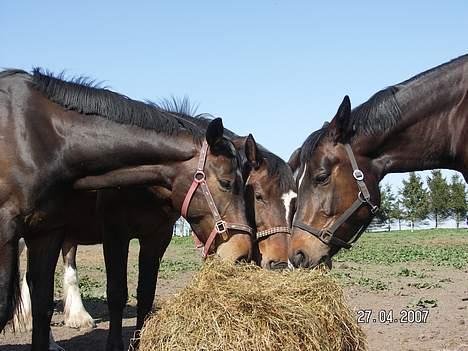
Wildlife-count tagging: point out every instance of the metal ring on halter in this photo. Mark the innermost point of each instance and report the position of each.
(199, 176)
(361, 197)
(358, 175)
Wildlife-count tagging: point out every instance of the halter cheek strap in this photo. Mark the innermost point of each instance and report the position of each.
(220, 227)
(328, 235)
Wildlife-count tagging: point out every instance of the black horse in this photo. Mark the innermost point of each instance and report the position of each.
(419, 124)
(57, 136)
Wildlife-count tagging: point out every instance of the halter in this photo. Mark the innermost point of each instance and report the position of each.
(327, 235)
(271, 231)
(221, 227)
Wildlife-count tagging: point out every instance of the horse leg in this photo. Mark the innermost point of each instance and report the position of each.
(9, 269)
(22, 320)
(116, 256)
(42, 259)
(76, 315)
(152, 249)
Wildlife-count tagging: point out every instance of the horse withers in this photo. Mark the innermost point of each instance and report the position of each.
(419, 124)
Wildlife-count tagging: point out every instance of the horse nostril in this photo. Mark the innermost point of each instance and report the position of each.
(277, 265)
(299, 259)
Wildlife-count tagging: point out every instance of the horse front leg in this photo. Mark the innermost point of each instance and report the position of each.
(43, 253)
(22, 319)
(152, 249)
(75, 313)
(115, 256)
(9, 268)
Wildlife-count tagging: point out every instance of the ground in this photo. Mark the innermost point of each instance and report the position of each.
(386, 273)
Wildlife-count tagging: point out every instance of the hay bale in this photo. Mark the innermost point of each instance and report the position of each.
(242, 307)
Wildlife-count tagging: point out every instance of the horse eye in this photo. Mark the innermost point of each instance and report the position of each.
(322, 177)
(226, 184)
(258, 196)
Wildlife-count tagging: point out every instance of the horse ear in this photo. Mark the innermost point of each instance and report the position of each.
(214, 132)
(339, 126)
(252, 152)
(295, 160)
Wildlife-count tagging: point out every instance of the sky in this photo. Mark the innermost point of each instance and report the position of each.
(276, 69)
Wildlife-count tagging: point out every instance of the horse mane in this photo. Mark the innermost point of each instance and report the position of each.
(311, 143)
(382, 111)
(88, 97)
(184, 109)
(378, 114)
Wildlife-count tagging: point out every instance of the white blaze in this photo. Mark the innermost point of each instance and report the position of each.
(287, 198)
(302, 177)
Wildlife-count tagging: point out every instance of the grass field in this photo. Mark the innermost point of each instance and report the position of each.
(396, 271)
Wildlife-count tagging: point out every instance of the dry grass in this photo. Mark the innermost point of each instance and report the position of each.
(241, 307)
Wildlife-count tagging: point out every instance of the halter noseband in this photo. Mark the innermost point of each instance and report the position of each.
(327, 235)
(220, 227)
(270, 231)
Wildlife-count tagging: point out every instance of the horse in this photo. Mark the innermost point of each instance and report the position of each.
(419, 124)
(270, 189)
(59, 136)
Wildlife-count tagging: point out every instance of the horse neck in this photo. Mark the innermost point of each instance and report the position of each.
(96, 146)
(433, 128)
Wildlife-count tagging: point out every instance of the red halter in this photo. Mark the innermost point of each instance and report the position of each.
(220, 227)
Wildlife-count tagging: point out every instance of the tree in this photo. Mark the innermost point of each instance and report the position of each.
(387, 202)
(414, 199)
(458, 194)
(439, 196)
(397, 212)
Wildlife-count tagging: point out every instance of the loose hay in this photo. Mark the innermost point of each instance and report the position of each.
(242, 307)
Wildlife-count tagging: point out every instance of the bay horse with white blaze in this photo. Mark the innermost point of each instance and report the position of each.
(58, 136)
(419, 124)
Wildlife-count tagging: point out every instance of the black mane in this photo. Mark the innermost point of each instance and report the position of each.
(85, 96)
(382, 111)
(183, 109)
(309, 145)
(378, 114)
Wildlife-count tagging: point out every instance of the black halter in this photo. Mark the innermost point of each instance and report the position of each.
(327, 235)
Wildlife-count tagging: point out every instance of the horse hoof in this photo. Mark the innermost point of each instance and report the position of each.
(80, 320)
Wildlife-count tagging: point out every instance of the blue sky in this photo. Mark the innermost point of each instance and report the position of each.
(278, 69)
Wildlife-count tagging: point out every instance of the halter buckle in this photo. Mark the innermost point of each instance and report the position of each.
(358, 175)
(374, 209)
(326, 235)
(221, 228)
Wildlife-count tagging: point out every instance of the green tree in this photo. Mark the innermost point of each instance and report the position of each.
(414, 199)
(387, 202)
(398, 212)
(458, 204)
(439, 196)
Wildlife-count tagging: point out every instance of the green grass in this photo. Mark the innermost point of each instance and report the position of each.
(442, 247)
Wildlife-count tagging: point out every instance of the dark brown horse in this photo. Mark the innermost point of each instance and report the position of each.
(57, 135)
(147, 215)
(419, 124)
